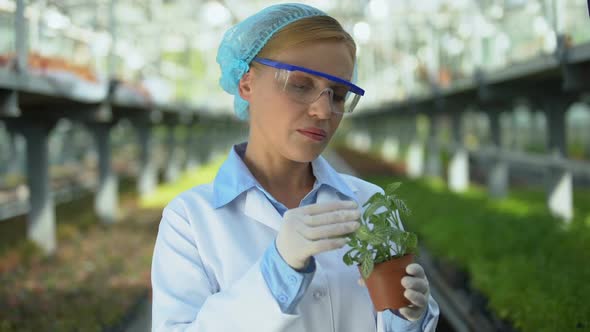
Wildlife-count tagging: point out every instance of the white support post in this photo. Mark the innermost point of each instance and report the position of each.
(9, 104)
(406, 131)
(213, 141)
(41, 217)
(559, 182)
(498, 174)
(366, 138)
(415, 156)
(458, 172)
(416, 159)
(107, 196)
(390, 148)
(17, 148)
(148, 176)
(190, 143)
(205, 144)
(560, 194)
(433, 161)
(391, 141)
(172, 171)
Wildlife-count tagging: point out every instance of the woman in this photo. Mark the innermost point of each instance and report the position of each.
(260, 248)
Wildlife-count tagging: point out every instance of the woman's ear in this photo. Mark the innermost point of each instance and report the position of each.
(245, 86)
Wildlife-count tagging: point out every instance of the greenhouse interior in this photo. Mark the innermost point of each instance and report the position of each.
(113, 111)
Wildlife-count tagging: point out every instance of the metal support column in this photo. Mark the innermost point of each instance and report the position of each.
(9, 104)
(41, 218)
(148, 176)
(415, 158)
(172, 171)
(217, 135)
(458, 172)
(107, 195)
(192, 158)
(433, 162)
(498, 174)
(559, 182)
(17, 147)
(391, 141)
(370, 136)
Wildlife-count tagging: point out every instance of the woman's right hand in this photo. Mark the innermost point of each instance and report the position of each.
(312, 229)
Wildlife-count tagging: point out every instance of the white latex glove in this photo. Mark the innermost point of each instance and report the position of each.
(312, 229)
(417, 291)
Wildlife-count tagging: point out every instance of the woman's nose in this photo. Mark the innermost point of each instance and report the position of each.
(322, 106)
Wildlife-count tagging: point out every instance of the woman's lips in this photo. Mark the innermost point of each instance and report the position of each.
(318, 137)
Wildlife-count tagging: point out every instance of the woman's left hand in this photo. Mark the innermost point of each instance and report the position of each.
(417, 291)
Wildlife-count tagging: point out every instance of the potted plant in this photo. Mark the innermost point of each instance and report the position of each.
(382, 249)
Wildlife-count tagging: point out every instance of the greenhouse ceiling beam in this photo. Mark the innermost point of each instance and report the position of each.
(530, 80)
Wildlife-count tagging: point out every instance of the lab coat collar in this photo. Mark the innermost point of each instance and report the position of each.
(259, 208)
(234, 178)
(325, 174)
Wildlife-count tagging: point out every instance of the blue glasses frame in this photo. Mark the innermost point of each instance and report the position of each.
(280, 65)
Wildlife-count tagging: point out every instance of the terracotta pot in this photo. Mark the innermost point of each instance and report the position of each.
(384, 283)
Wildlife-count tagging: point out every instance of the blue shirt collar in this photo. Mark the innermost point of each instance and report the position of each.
(234, 177)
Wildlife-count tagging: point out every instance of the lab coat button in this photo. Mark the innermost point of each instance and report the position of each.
(282, 298)
(292, 279)
(318, 294)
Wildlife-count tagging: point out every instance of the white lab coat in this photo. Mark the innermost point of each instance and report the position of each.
(206, 273)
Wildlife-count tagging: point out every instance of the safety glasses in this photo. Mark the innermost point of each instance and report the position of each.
(305, 86)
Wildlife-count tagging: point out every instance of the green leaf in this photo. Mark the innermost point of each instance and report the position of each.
(411, 243)
(378, 236)
(380, 220)
(374, 203)
(376, 197)
(380, 232)
(367, 266)
(391, 188)
(395, 234)
(363, 233)
(347, 259)
(400, 205)
(357, 257)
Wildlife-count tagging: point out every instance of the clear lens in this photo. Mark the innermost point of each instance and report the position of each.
(307, 88)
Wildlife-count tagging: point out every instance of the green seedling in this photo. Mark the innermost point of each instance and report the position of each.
(380, 236)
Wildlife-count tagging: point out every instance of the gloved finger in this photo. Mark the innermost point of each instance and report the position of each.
(319, 246)
(417, 298)
(332, 217)
(328, 231)
(417, 284)
(411, 313)
(318, 208)
(415, 270)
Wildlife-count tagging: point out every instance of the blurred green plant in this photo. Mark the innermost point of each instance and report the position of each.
(577, 150)
(166, 192)
(97, 275)
(533, 270)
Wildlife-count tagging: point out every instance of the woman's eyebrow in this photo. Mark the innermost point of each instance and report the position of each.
(339, 86)
(330, 83)
(305, 74)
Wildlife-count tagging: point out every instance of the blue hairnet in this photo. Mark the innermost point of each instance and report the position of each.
(243, 41)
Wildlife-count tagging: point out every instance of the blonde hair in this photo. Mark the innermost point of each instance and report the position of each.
(310, 29)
